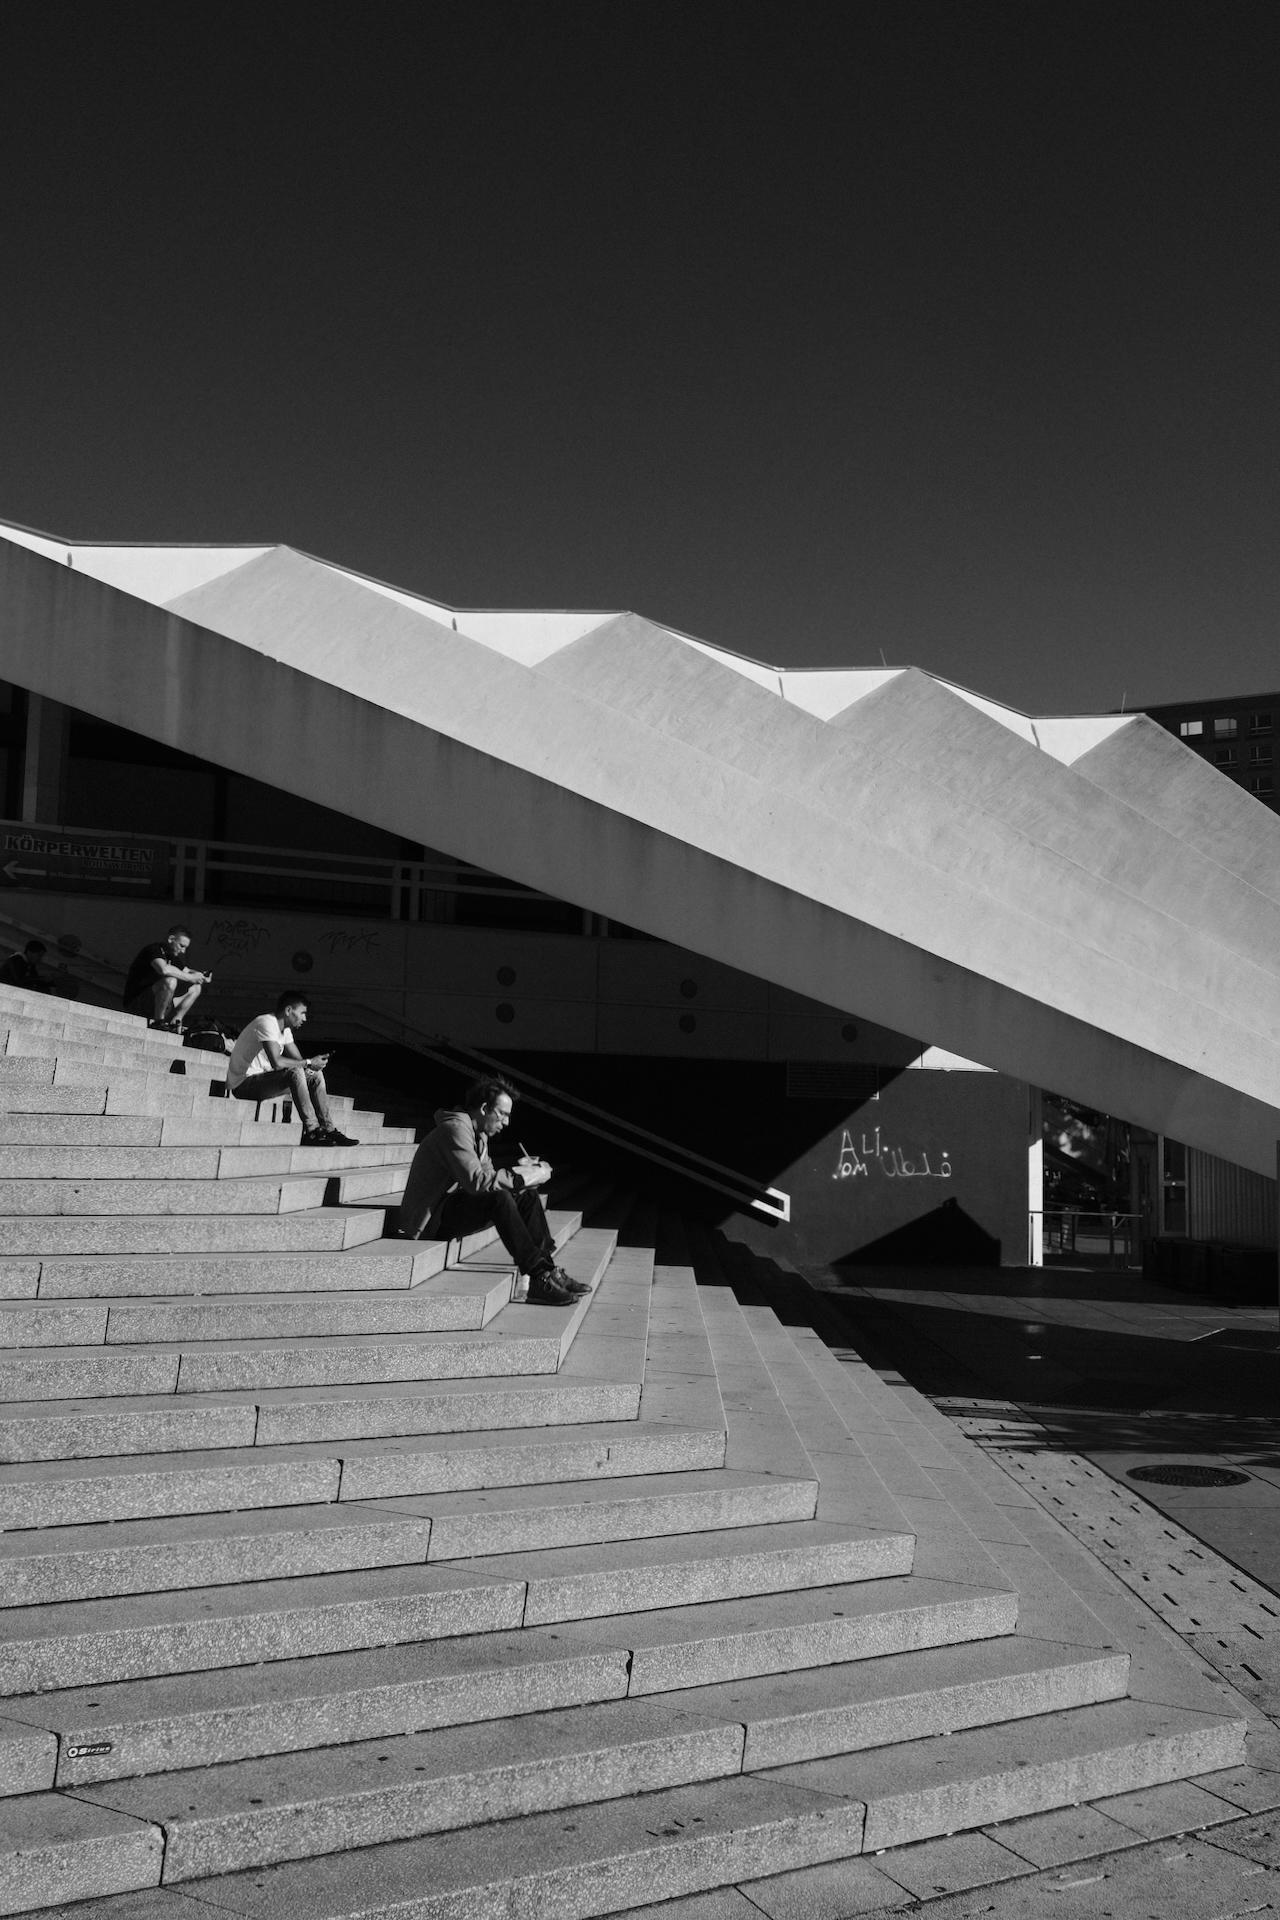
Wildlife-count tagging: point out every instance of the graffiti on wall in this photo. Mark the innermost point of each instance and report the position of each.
(235, 938)
(892, 1163)
(344, 940)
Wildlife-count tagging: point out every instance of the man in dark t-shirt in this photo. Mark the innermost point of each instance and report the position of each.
(159, 985)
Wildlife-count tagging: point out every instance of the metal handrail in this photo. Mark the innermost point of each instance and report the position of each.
(627, 1134)
(610, 1127)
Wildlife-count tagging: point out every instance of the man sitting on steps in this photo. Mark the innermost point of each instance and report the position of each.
(160, 986)
(265, 1063)
(455, 1189)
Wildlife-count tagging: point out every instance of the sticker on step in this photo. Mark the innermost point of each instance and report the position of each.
(89, 1748)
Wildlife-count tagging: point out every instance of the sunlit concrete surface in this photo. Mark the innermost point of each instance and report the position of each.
(1071, 901)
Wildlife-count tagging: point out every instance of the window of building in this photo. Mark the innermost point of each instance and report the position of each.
(1188, 729)
(1259, 756)
(1226, 728)
(1225, 756)
(1259, 783)
(1259, 723)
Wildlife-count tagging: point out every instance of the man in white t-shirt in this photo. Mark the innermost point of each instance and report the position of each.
(266, 1063)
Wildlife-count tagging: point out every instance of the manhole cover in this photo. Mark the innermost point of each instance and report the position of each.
(1189, 1476)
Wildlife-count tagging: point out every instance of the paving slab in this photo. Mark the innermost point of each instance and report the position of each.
(1160, 1813)
(1067, 1833)
(936, 1867)
(1252, 1789)
(832, 1892)
(1190, 1880)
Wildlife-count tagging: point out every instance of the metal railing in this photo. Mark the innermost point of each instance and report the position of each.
(744, 1191)
(1111, 1238)
(561, 1105)
(194, 872)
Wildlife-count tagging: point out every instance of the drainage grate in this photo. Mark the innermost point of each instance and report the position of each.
(1189, 1476)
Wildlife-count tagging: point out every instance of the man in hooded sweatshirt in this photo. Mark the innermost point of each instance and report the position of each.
(454, 1189)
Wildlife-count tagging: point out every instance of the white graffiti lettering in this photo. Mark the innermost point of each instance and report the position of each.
(891, 1162)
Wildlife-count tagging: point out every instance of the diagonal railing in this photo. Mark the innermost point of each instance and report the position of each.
(562, 1105)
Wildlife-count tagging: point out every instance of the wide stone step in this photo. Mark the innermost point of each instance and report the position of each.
(135, 1094)
(76, 1492)
(383, 1183)
(269, 1810)
(923, 1788)
(307, 1228)
(215, 1366)
(56, 1564)
(169, 1423)
(169, 1722)
(95, 1641)
(599, 1534)
(652, 1542)
(263, 1154)
(71, 1065)
(55, 1198)
(648, 1848)
(379, 1265)
(227, 1123)
(56, 1850)
(22, 1033)
(449, 1300)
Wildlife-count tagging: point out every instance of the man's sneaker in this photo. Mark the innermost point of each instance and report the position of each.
(545, 1290)
(335, 1139)
(165, 1026)
(314, 1137)
(564, 1285)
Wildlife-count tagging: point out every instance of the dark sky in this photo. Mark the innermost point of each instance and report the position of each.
(948, 332)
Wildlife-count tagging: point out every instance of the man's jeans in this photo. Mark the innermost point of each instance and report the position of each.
(298, 1082)
(519, 1218)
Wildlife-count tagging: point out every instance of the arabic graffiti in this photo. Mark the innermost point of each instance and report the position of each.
(892, 1162)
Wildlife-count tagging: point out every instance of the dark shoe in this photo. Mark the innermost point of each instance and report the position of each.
(336, 1139)
(314, 1137)
(578, 1289)
(165, 1026)
(562, 1285)
(545, 1290)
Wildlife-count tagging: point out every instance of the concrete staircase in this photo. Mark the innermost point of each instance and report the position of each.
(334, 1582)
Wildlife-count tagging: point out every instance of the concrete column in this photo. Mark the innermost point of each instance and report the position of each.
(44, 761)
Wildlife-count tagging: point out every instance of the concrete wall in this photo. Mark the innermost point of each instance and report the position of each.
(492, 988)
(935, 1169)
(913, 862)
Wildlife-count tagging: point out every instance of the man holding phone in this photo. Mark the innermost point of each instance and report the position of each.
(265, 1063)
(454, 1189)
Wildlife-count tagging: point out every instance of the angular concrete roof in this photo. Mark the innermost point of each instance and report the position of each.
(1077, 900)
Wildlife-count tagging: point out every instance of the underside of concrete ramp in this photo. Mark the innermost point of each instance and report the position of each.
(1077, 902)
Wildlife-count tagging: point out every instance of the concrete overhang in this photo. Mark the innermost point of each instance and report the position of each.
(1075, 901)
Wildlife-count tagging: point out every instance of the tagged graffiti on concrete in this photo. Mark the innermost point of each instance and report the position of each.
(231, 937)
(343, 940)
(891, 1162)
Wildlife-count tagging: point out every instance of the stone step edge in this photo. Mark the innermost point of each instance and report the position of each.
(651, 1847)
